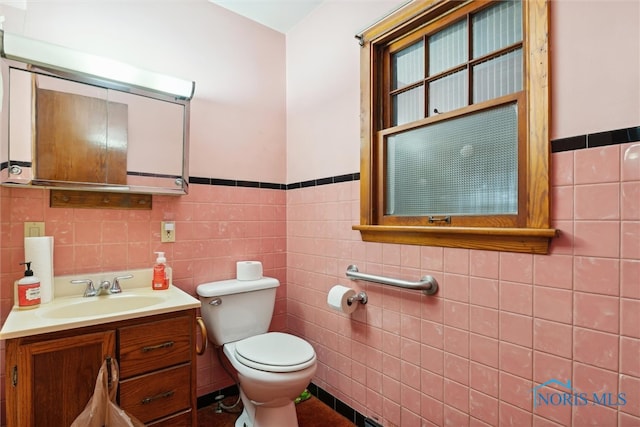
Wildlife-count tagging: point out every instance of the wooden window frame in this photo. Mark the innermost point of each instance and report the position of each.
(530, 230)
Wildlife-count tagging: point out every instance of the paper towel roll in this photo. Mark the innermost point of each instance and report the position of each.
(39, 250)
(338, 299)
(248, 270)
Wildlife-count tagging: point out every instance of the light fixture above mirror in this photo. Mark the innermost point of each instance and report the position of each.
(81, 64)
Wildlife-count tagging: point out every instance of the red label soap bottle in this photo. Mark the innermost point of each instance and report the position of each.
(28, 289)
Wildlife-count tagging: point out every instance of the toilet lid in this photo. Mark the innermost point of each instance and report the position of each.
(275, 352)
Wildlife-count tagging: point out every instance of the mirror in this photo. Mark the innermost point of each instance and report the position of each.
(68, 131)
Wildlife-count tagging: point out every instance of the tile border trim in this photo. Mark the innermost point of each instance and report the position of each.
(274, 186)
(337, 405)
(598, 139)
(236, 183)
(579, 142)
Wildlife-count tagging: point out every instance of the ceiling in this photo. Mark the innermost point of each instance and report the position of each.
(280, 15)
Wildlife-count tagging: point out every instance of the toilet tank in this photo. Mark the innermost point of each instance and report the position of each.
(236, 309)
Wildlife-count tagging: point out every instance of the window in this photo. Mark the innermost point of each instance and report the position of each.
(455, 145)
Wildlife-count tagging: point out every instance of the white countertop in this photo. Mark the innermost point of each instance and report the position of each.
(39, 320)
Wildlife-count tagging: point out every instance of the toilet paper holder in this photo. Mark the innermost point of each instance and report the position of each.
(359, 297)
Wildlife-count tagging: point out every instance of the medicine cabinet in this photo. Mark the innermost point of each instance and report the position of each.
(64, 127)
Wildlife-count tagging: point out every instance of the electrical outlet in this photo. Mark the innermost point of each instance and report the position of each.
(33, 229)
(167, 231)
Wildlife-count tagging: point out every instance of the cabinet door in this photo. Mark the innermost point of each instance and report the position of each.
(52, 380)
(80, 138)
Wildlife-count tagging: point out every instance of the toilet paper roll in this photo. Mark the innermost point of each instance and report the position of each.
(248, 270)
(39, 250)
(338, 299)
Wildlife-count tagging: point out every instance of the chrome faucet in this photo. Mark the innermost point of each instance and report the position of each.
(89, 291)
(115, 286)
(111, 288)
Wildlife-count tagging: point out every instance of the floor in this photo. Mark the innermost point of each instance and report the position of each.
(311, 413)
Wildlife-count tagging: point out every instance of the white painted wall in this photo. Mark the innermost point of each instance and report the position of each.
(323, 88)
(595, 66)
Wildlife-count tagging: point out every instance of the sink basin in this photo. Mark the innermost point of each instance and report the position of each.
(70, 310)
(101, 305)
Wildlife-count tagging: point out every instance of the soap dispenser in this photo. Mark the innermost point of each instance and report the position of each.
(160, 277)
(28, 289)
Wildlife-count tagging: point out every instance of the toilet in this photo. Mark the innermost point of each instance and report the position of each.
(273, 368)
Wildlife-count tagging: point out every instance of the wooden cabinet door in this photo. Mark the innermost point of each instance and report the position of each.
(80, 139)
(49, 382)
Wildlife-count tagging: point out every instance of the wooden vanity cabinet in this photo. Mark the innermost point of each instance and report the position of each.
(50, 377)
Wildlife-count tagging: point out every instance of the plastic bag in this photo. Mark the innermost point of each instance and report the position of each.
(101, 411)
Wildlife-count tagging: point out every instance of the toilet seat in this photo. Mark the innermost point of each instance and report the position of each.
(275, 352)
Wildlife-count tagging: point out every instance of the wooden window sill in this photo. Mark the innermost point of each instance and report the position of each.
(525, 240)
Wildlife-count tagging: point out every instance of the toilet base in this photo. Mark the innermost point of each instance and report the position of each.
(266, 416)
(243, 420)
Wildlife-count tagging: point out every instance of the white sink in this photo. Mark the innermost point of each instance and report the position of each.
(100, 305)
(75, 311)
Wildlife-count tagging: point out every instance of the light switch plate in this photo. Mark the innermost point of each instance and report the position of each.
(167, 231)
(33, 229)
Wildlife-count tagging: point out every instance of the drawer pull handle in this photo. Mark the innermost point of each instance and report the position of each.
(164, 395)
(156, 347)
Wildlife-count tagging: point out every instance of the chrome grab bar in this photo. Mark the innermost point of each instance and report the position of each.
(427, 284)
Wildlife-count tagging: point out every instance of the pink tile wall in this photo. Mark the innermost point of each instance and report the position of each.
(501, 324)
(215, 227)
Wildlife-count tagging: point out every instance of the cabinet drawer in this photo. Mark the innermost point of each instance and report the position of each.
(156, 395)
(184, 419)
(154, 345)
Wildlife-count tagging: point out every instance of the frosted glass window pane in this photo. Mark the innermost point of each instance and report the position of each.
(448, 48)
(407, 65)
(463, 166)
(408, 106)
(448, 93)
(496, 27)
(497, 77)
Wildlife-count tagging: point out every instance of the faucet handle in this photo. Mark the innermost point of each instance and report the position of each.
(89, 291)
(115, 285)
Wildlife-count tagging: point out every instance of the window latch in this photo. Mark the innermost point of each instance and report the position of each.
(445, 219)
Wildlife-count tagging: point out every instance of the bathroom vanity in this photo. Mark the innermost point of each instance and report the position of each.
(53, 359)
(50, 377)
